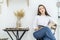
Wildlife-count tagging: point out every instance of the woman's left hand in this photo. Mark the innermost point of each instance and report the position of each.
(52, 25)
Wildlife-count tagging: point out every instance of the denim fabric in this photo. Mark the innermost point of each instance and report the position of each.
(44, 33)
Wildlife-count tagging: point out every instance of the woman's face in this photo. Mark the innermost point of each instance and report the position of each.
(42, 10)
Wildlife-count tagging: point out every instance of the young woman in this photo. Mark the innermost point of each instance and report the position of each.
(42, 25)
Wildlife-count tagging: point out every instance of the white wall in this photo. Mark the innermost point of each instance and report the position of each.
(59, 21)
(7, 18)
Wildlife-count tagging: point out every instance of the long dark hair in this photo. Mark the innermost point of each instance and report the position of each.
(39, 13)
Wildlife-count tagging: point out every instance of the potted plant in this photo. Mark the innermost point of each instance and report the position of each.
(19, 14)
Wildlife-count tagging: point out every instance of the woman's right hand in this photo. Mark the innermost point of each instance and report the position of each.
(36, 28)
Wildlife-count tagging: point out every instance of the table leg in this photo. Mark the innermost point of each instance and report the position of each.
(17, 38)
(9, 35)
(14, 34)
(22, 35)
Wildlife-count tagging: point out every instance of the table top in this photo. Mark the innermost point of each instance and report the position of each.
(16, 29)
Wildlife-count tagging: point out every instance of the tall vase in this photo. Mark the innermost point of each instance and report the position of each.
(18, 23)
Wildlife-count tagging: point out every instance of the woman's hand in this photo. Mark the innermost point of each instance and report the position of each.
(36, 28)
(52, 25)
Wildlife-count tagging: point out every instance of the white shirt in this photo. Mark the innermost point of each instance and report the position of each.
(42, 20)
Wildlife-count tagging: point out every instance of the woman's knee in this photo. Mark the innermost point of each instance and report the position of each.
(35, 35)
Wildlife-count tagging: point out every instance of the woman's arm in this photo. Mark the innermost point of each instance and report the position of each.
(53, 25)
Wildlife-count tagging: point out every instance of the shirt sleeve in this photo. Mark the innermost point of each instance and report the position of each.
(35, 22)
(52, 20)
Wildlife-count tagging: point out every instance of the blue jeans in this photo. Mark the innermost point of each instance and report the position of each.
(44, 33)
